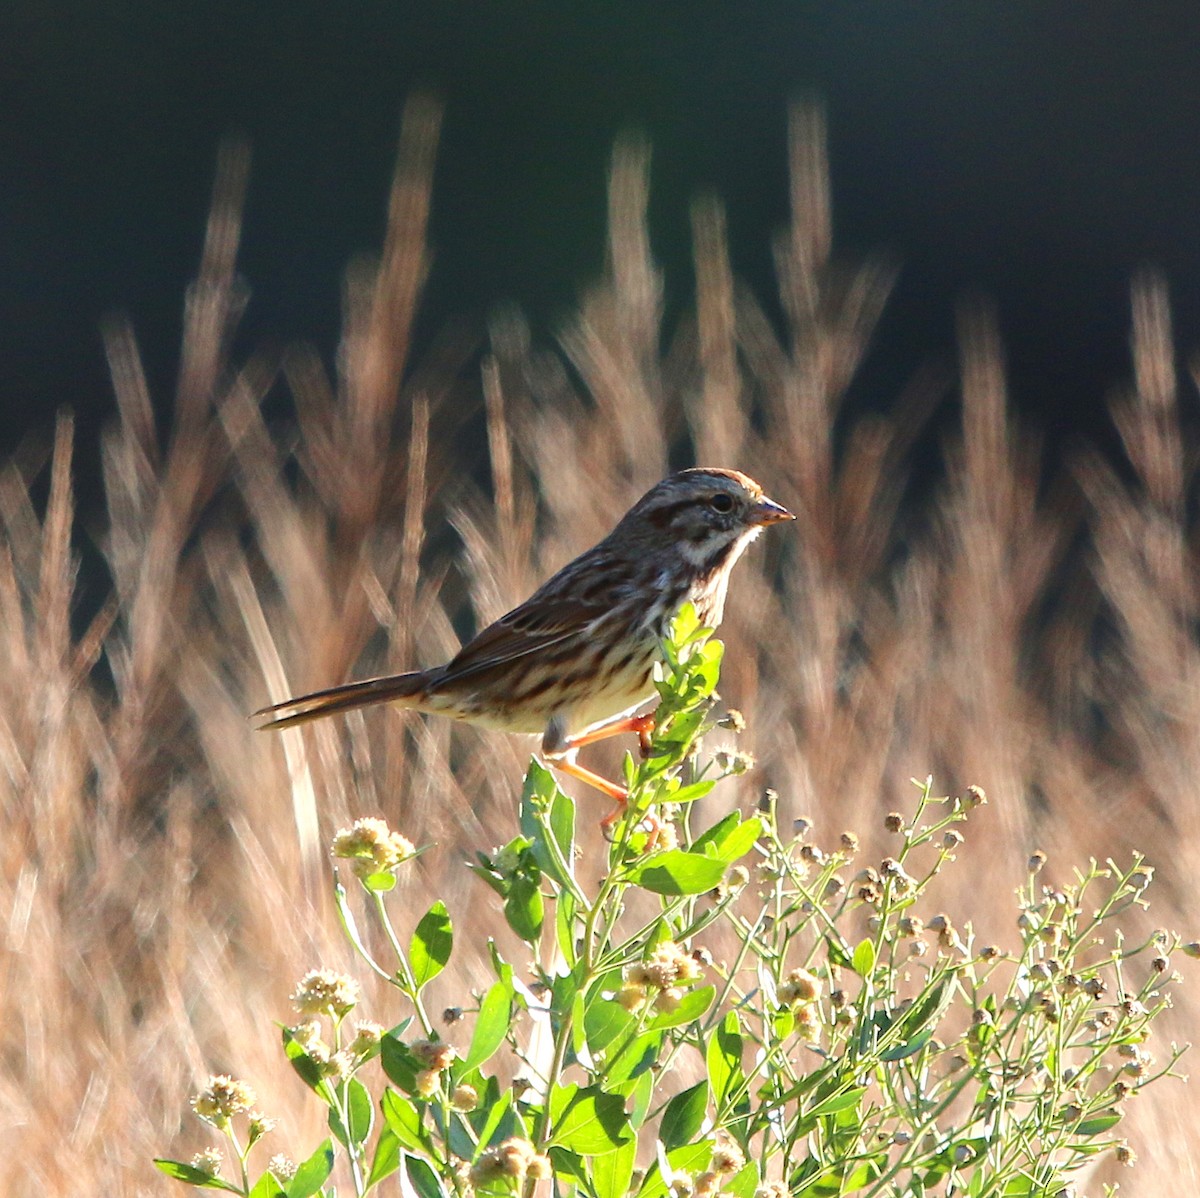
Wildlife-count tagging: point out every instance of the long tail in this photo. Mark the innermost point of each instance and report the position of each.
(340, 698)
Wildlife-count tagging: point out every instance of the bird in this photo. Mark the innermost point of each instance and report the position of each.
(575, 661)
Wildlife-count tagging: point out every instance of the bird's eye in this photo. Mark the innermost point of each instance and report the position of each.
(721, 502)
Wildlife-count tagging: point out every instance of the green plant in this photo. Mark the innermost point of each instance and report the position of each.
(850, 1041)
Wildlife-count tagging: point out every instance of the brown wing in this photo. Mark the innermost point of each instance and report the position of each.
(565, 606)
(527, 630)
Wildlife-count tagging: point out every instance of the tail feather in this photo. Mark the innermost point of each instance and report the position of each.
(340, 698)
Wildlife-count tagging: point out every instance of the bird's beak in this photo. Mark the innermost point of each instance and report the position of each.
(767, 511)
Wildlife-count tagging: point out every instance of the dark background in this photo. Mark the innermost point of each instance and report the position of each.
(1036, 152)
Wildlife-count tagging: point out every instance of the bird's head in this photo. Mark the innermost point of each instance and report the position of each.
(710, 515)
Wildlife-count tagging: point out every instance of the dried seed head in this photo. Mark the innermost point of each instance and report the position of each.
(849, 842)
(1036, 862)
(372, 846)
(452, 1015)
(222, 1098)
(326, 992)
(367, 1037)
(893, 821)
(282, 1166)
(208, 1162)
(464, 1097)
(799, 987)
(433, 1054)
(1125, 1155)
(732, 721)
(802, 826)
(951, 839)
(727, 1158)
(975, 796)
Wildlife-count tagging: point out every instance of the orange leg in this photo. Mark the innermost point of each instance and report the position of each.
(643, 725)
(563, 759)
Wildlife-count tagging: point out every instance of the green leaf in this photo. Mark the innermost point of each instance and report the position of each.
(431, 944)
(837, 954)
(424, 1180)
(380, 883)
(613, 1171)
(303, 1064)
(564, 927)
(398, 1063)
(193, 1176)
(349, 926)
(361, 1110)
(524, 908)
(739, 841)
(495, 1117)
(588, 1121)
(689, 794)
(908, 1048)
(603, 1021)
(724, 1059)
(1098, 1124)
(404, 1121)
(863, 961)
(691, 1006)
(744, 1182)
(267, 1186)
(689, 1158)
(684, 1116)
(836, 1103)
(677, 872)
(635, 1057)
(312, 1173)
(387, 1156)
(639, 1098)
(491, 1024)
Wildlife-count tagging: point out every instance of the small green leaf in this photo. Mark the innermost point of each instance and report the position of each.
(424, 1180)
(613, 1171)
(744, 1182)
(491, 1025)
(487, 1133)
(836, 1103)
(689, 794)
(404, 1121)
(588, 1121)
(635, 1058)
(387, 1156)
(380, 883)
(1098, 1124)
(349, 926)
(193, 1176)
(267, 1186)
(717, 833)
(908, 1049)
(684, 1116)
(677, 872)
(312, 1173)
(303, 1064)
(691, 1006)
(398, 1063)
(863, 961)
(604, 1021)
(739, 840)
(431, 944)
(361, 1110)
(688, 1158)
(524, 908)
(724, 1059)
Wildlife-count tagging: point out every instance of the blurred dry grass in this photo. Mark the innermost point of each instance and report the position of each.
(162, 868)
